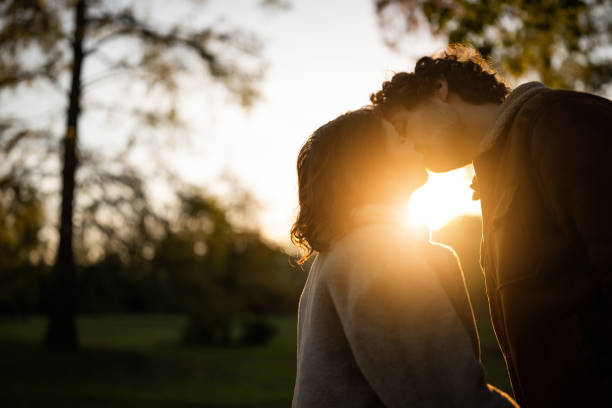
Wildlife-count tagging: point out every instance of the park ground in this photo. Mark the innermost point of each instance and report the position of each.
(138, 361)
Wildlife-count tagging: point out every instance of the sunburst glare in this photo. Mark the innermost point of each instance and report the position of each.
(445, 196)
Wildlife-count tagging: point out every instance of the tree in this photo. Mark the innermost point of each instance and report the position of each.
(567, 43)
(50, 43)
(225, 277)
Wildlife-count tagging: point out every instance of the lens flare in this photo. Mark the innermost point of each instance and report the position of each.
(445, 196)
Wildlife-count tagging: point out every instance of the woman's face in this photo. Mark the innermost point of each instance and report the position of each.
(406, 164)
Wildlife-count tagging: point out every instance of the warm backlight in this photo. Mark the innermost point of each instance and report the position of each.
(445, 196)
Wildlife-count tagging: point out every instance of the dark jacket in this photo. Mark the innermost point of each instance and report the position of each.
(546, 194)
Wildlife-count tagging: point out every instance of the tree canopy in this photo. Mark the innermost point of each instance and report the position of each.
(566, 43)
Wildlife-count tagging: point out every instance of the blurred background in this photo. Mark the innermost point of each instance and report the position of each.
(147, 178)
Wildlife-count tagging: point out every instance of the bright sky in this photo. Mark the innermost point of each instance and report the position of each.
(324, 58)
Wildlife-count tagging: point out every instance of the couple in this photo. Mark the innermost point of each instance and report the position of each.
(384, 318)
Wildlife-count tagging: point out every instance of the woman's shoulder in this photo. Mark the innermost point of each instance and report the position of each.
(376, 248)
(379, 239)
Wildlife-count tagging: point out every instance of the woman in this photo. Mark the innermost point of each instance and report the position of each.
(384, 317)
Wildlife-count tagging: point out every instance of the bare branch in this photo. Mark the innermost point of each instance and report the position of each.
(200, 43)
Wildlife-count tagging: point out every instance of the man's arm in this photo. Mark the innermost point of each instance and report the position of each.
(572, 150)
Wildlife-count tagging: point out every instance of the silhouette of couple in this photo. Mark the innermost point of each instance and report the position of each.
(384, 318)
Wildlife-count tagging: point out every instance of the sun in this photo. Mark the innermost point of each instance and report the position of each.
(445, 196)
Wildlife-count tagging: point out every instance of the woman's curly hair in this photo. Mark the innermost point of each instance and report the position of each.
(340, 168)
(467, 73)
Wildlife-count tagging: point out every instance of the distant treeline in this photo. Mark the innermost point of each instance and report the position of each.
(110, 286)
(225, 278)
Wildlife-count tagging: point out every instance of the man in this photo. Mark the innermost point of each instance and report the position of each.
(543, 162)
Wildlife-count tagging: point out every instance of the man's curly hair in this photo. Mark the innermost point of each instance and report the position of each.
(467, 73)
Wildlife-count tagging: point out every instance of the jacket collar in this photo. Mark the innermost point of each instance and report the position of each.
(508, 110)
(488, 179)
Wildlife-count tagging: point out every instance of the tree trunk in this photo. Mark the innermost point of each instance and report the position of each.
(61, 329)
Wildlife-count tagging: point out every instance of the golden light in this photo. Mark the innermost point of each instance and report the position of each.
(445, 196)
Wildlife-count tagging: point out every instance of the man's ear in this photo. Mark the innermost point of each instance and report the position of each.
(442, 89)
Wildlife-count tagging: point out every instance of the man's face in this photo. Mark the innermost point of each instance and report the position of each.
(408, 169)
(436, 131)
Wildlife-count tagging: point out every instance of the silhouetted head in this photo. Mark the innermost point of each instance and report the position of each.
(355, 160)
(426, 105)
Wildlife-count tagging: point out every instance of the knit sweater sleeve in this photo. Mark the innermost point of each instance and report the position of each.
(405, 336)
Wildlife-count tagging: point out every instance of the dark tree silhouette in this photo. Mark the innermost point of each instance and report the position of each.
(47, 42)
(567, 43)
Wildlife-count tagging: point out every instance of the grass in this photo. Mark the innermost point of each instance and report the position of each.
(137, 361)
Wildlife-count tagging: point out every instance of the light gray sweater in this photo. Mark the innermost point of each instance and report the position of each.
(376, 329)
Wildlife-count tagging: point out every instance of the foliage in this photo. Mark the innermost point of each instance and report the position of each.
(222, 273)
(40, 31)
(567, 43)
(21, 219)
(112, 285)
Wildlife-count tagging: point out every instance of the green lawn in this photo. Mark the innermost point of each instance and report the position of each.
(136, 361)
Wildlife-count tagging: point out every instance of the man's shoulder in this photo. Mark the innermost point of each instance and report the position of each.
(573, 115)
(559, 104)
(571, 97)
(570, 133)
(554, 115)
